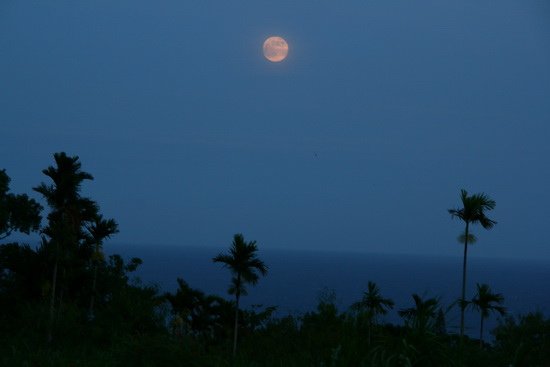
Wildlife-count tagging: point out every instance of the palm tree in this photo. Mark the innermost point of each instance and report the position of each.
(100, 229)
(423, 315)
(188, 305)
(423, 342)
(244, 266)
(472, 212)
(69, 210)
(374, 304)
(485, 301)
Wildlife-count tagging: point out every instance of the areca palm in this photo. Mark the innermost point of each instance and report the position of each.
(374, 304)
(422, 315)
(485, 301)
(100, 229)
(245, 268)
(188, 306)
(68, 211)
(472, 212)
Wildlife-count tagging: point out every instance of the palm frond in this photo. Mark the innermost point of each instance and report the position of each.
(243, 263)
(462, 238)
(485, 301)
(473, 209)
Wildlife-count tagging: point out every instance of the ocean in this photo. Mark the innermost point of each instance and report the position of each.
(297, 278)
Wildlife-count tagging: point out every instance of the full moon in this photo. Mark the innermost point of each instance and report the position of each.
(275, 49)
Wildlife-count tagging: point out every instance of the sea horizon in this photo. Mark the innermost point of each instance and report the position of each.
(297, 278)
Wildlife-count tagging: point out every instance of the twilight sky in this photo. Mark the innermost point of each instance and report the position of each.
(360, 140)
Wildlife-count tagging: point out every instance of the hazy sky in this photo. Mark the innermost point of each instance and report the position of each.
(360, 140)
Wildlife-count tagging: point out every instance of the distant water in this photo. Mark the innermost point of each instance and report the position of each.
(296, 278)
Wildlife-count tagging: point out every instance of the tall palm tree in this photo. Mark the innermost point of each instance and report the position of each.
(244, 266)
(485, 301)
(374, 304)
(472, 212)
(68, 211)
(100, 229)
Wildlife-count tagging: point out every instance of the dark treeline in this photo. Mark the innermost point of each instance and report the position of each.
(64, 303)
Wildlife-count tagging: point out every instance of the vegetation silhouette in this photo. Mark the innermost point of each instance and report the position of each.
(69, 211)
(99, 230)
(524, 340)
(96, 312)
(244, 265)
(371, 305)
(472, 212)
(422, 316)
(18, 213)
(206, 317)
(485, 301)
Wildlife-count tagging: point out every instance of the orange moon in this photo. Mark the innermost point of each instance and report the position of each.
(275, 49)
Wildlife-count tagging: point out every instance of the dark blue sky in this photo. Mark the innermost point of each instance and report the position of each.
(360, 140)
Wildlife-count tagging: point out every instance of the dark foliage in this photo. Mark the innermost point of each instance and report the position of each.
(18, 213)
(99, 315)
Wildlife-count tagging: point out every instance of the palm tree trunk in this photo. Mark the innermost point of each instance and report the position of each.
(481, 332)
(63, 285)
(91, 310)
(236, 330)
(463, 297)
(369, 332)
(52, 302)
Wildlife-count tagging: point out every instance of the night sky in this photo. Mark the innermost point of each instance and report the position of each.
(359, 141)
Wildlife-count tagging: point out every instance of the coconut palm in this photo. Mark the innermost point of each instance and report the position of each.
(485, 301)
(373, 304)
(100, 229)
(472, 212)
(244, 267)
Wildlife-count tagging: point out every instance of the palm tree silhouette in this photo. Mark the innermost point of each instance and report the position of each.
(244, 266)
(373, 304)
(100, 229)
(422, 316)
(69, 211)
(472, 212)
(485, 301)
(189, 306)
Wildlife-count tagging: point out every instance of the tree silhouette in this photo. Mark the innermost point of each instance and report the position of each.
(422, 316)
(423, 337)
(373, 304)
(197, 314)
(17, 212)
(244, 266)
(485, 301)
(68, 213)
(99, 229)
(472, 212)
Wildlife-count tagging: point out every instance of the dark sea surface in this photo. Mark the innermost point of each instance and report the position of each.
(296, 278)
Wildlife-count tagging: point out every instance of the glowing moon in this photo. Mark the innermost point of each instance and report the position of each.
(275, 49)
